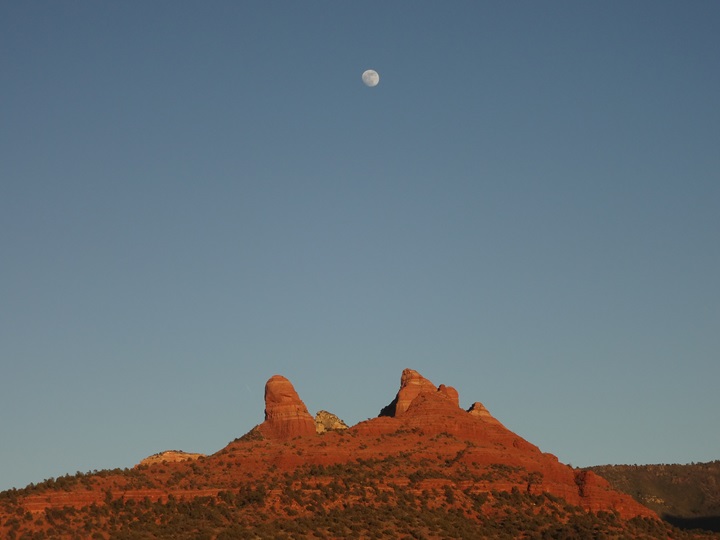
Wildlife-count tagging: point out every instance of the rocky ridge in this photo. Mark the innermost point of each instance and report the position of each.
(421, 443)
(432, 411)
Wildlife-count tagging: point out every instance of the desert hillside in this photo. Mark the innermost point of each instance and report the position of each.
(685, 495)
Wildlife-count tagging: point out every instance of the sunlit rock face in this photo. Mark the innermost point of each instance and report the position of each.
(412, 384)
(286, 416)
(478, 410)
(170, 456)
(325, 421)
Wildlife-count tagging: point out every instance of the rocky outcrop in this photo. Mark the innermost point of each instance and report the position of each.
(449, 393)
(421, 408)
(286, 416)
(479, 411)
(169, 456)
(412, 384)
(325, 421)
(596, 493)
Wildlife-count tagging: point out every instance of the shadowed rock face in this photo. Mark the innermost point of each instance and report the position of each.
(286, 416)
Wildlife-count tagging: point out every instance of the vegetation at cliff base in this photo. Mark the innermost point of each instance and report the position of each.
(687, 496)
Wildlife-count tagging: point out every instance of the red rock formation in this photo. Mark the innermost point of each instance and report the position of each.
(286, 416)
(428, 411)
(423, 428)
(597, 494)
(450, 393)
(412, 384)
(478, 410)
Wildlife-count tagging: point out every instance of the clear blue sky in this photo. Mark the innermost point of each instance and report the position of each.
(195, 196)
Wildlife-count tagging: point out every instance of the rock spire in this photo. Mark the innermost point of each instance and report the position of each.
(412, 384)
(286, 416)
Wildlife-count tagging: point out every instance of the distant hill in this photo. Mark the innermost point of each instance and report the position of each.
(685, 495)
(424, 468)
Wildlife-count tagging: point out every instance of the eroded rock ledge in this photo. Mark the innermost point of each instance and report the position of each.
(170, 456)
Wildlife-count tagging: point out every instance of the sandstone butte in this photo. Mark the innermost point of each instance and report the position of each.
(424, 425)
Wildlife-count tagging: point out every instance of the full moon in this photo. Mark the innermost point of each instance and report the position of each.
(371, 77)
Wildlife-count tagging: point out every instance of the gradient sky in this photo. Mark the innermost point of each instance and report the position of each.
(195, 196)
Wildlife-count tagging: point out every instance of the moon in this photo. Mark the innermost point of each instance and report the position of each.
(370, 77)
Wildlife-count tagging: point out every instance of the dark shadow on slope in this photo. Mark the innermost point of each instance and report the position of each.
(389, 410)
(707, 523)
